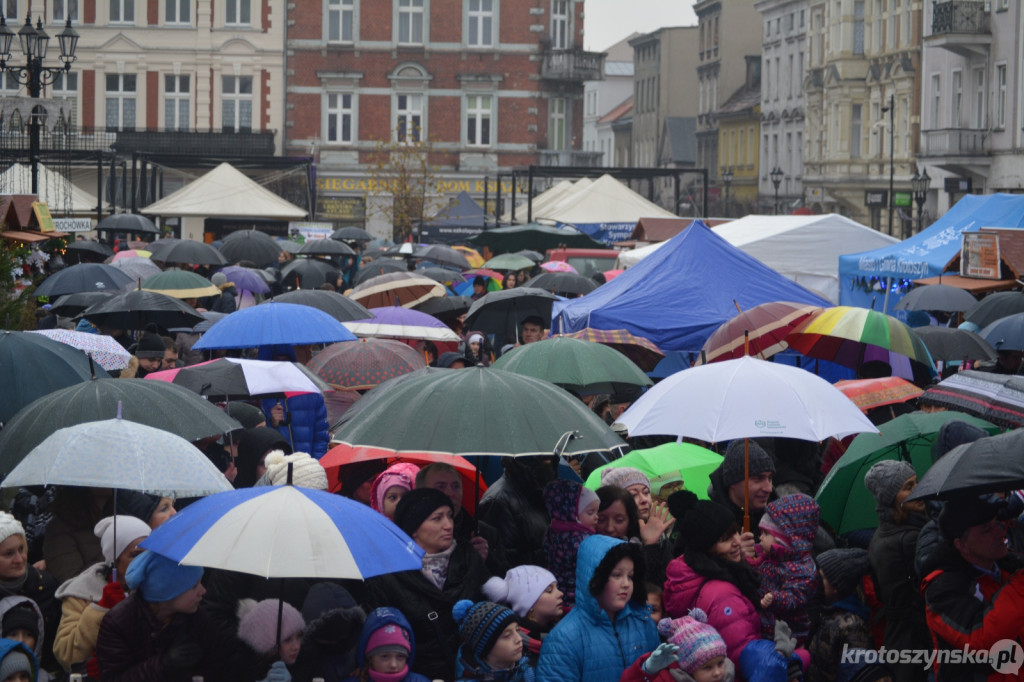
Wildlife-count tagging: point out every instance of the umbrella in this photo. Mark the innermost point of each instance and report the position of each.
(558, 266)
(476, 411)
(998, 398)
(157, 248)
(397, 288)
(760, 331)
(33, 366)
(949, 344)
(501, 312)
(533, 236)
(209, 319)
(130, 253)
(117, 453)
(180, 284)
(338, 306)
(381, 266)
(103, 349)
(444, 255)
(373, 394)
(325, 247)
(988, 465)
(563, 283)
(871, 393)
(128, 222)
(352, 233)
(87, 247)
(582, 367)
(1006, 333)
(272, 324)
(236, 378)
(509, 261)
(83, 277)
(153, 403)
(135, 309)
(693, 463)
(288, 246)
(642, 352)
(472, 255)
(70, 305)
(308, 273)
(246, 278)
(995, 306)
(852, 336)
(845, 503)
(402, 323)
(744, 398)
(365, 363)
(286, 532)
(138, 269)
(534, 256)
(252, 246)
(446, 308)
(190, 252)
(941, 297)
(448, 278)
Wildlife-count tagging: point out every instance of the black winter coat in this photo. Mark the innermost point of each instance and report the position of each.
(519, 518)
(40, 587)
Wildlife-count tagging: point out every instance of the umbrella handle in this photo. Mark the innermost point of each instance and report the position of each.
(746, 485)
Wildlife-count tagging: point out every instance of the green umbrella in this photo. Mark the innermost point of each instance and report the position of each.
(669, 462)
(583, 367)
(476, 411)
(846, 504)
(180, 284)
(509, 261)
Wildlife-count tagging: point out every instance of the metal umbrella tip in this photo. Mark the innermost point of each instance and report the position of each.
(118, 409)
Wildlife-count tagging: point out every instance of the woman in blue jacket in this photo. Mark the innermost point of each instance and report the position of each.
(611, 625)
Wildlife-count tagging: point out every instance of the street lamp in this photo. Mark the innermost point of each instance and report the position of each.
(891, 110)
(727, 181)
(776, 176)
(920, 184)
(34, 42)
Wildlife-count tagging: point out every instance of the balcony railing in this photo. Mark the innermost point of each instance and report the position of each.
(960, 16)
(954, 142)
(152, 141)
(572, 65)
(570, 158)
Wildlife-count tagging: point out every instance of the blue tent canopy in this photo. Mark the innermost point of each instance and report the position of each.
(680, 294)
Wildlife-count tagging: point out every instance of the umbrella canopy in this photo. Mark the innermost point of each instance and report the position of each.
(760, 331)
(325, 247)
(501, 312)
(941, 297)
(845, 503)
(135, 309)
(33, 366)
(472, 255)
(273, 324)
(693, 463)
(88, 247)
(236, 378)
(534, 256)
(138, 269)
(642, 352)
(103, 349)
(852, 336)
(988, 465)
(83, 277)
(353, 233)
(286, 532)
(308, 273)
(250, 245)
(476, 411)
(406, 289)
(402, 323)
(559, 266)
(180, 284)
(246, 279)
(381, 266)
(153, 403)
(563, 283)
(191, 252)
(209, 319)
(449, 278)
(509, 261)
(157, 248)
(1006, 333)
(949, 344)
(444, 255)
(995, 306)
(130, 253)
(998, 398)
(744, 398)
(871, 393)
(446, 308)
(338, 306)
(533, 236)
(365, 363)
(70, 305)
(128, 222)
(117, 453)
(579, 366)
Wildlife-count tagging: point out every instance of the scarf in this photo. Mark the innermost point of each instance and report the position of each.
(435, 566)
(12, 587)
(388, 677)
(739, 573)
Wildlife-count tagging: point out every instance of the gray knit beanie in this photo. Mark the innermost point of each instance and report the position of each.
(16, 661)
(732, 465)
(884, 480)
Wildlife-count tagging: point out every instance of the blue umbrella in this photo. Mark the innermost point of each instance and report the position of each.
(1006, 333)
(272, 324)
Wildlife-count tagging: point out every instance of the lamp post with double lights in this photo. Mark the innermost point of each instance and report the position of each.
(33, 75)
(727, 181)
(920, 184)
(776, 176)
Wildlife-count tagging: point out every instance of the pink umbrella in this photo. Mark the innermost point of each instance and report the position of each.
(128, 253)
(558, 266)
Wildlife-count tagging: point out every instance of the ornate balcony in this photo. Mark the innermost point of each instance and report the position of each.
(962, 27)
(572, 65)
(550, 157)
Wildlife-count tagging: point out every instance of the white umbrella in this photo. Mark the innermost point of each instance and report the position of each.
(107, 352)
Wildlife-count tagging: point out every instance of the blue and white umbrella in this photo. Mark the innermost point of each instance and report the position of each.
(286, 532)
(274, 324)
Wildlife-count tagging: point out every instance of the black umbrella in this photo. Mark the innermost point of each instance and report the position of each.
(949, 344)
(995, 306)
(83, 277)
(535, 256)
(448, 278)
(353, 233)
(533, 236)
(70, 305)
(250, 245)
(229, 380)
(136, 309)
(563, 283)
(381, 266)
(157, 248)
(501, 312)
(32, 366)
(210, 319)
(988, 465)
(308, 273)
(340, 307)
(158, 404)
(444, 255)
(128, 222)
(86, 248)
(941, 297)
(325, 247)
(445, 308)
(190, 252)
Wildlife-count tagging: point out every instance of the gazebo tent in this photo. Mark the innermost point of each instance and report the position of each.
(54, 189)
(548, 197)
(456, 222)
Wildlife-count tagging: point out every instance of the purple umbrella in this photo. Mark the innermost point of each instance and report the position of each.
(244, 278)
(402, 323)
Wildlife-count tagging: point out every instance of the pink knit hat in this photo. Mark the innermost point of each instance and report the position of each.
(401, 475)
(257, 623)
(698, 642)
(389, 637)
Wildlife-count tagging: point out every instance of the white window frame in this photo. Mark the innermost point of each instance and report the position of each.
(236, 7)
(936, 112)
(336, 11)
(477, 19)
(1000, 84)
(956, 97)
(410, 10)
(339, 112)
(11, 12)
(558, 114)
(120, 98)
(176, 98)
(407, 130)
(239, 99)
(64, 10)
(561, 24)
(480, 108)
(122, 8)
(979, 98)
(175, 8)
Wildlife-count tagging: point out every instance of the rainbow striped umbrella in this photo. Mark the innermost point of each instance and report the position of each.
(851, 336)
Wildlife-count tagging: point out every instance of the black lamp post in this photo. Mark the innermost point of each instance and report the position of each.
(34, 42)
(727, 181)
(776, 176)
(891, 110)
(920, 184)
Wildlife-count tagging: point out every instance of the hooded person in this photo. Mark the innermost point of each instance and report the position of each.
(389, 487)
(727, 482)
(514, 506)
(225, 301)
(22, 621)
(333, 625)
(845, 620)
(492, 647)
(573, 512)
(387, 649)
(357, 479)
(253, 447)
(16, 659)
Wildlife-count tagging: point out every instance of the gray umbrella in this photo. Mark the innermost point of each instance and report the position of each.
(128, 222)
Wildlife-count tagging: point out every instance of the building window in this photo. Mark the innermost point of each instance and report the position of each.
(936, 99)
(411, 20)
(177, 12)
(236, 104)
(237, 13)
(409, 126)
(958, 97)
(64, 10)
(122, 11)
(1001, 96)
(556, 124)
(341, 16)
(339, 117)
(120, 102)
(66, 85)
(858, 27)
(478, 120)
(10, 11)
(176, 102)
(855, 131)
(481, 23)
(979, 99)
(560, 24)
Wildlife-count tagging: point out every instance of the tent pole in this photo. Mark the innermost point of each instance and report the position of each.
(885, 301)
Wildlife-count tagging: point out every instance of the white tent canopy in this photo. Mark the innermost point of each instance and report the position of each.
(59, 193)
(548, 197)
(225, 192)
(606, 200)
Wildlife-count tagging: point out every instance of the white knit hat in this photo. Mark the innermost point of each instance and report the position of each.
(521, 587)
(129, 528)
(306, 471)
(9, 526)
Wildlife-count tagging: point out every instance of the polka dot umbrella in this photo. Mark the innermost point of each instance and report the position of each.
(363, 364)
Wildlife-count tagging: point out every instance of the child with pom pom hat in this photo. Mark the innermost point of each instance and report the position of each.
(532, 592)
(492, 647)
(386, 649)
(257, 627)
(694, 652)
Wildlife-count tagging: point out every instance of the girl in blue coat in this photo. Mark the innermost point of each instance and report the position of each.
(610, 626)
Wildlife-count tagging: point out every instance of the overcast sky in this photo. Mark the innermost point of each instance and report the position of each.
(608, 21)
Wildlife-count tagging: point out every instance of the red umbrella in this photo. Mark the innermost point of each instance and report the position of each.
(763, 328)
(360, 365)
(869, 393)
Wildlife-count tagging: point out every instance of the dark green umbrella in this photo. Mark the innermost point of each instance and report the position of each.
(477, 411)
(154, 403)
(583, 367)
(533, 236)
(32, 366)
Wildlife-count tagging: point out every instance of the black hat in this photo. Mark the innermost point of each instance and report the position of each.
(354, 475)
(952, 434)
(21, 617)
(139, 505)
(416, 505)
(150, 346)
(249, 416)
(844, 568)
(704, 521)
(963, 513)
